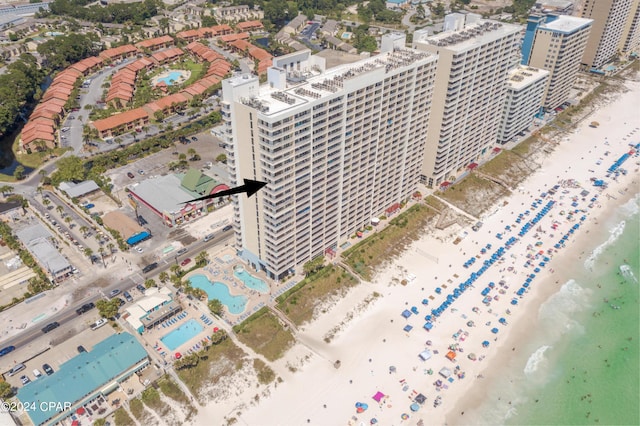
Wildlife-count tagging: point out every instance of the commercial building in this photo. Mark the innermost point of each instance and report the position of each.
(556, 44)
(166, 196)
(84, 379)
(336, 147)
(609, 22)
(156, 306)
(40, 243)
(474, 59)
(525, 89)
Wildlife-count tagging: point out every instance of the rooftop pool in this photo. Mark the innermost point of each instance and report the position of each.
(182, 334)
(249, 280)
(220, 291)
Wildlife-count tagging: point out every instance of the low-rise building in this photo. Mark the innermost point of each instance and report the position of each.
(156, 43)
(156, 306)
(83, 380)
(121, 123)
(40, 243)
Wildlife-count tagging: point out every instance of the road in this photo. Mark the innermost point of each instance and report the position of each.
(69, 314)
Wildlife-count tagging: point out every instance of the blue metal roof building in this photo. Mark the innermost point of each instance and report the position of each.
(83, 378)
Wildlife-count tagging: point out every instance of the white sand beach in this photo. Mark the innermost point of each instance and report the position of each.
(373, 341)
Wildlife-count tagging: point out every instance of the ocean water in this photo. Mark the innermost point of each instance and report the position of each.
(581, 362)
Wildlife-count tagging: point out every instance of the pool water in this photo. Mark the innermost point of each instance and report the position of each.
(172, 78)
(249, 280)
(182, 334)
(216, 290)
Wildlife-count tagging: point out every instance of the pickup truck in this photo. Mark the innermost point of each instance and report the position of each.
(96, 325)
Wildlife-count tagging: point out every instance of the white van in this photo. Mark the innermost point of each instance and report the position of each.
(37, 373)
(16, 369)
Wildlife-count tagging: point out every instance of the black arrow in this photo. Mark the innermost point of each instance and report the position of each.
(250, 187)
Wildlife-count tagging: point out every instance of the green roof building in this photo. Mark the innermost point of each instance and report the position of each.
(83, 378)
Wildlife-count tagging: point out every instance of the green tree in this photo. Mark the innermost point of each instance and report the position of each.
(19, 172)
(313, 266)
(108, 308)
(218, 337)
(187, 362)
(216, 307)
(70, 168)
(150, 282)
(202, 258)
(163, 277)
(6, 391)
(6, 189)
(222, 158)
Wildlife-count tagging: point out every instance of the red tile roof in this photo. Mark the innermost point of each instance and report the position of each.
(117, 120)
(172, 53)
(165, 103)
(249, 25)
(117, 52)
(233, 37)
(153, 42)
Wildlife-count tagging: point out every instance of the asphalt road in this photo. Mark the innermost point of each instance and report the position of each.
(69, 314)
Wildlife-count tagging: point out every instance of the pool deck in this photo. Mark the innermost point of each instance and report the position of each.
(184, 76)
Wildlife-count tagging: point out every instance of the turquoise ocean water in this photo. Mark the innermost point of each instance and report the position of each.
(581, 362)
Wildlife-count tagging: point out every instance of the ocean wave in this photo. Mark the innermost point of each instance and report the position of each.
(536, 360)
(627, 272)
(558, 312)
(614, 235)
(631, 207)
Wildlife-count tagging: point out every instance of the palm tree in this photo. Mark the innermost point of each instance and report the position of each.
(202, 258)
(46, 202)
(88, 252)
(163, 277)
(174, 269)
(83, 230)
(68, 219)
(150, 283)
(111, 246)
(6, 189)
(60, 209)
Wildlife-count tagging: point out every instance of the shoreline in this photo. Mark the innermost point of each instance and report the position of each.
(373, 341)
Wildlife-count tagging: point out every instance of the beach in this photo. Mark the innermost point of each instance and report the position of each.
(526, 253)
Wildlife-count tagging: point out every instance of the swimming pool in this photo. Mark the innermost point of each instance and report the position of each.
(249, 280)
(216, 290)
(182, 334)
(171, 78)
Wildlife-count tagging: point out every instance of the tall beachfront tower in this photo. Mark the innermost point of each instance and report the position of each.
(609, 22)
(630, 40)
(525, 88)
(336, 147)
(556, 44)
(474, 60)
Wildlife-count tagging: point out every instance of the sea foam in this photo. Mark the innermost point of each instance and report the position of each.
(614, 234)
(536, 360)
(627, 272)
(558, 312)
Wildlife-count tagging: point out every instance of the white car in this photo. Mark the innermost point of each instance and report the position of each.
(139, 249)
(98, 324)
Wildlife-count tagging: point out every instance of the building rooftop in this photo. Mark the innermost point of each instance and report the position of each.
(164, 193)
(82, 375)
(74, 190)
(471, 36)
(566, 24)
(523, 76)
(310, 84)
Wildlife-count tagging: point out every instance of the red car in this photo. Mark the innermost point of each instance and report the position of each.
(185, 262)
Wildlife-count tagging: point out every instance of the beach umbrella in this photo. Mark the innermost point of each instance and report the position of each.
(502, 321)
(425, 302)
(373, 421)
(428, 326)
(414, 407)
(404, 416)
(470, 323)
(472, 356)
(485, 344)
(514, 302)
(494, 330)
(428, 318)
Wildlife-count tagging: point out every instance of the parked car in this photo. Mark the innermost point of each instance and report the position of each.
(131, 175)
(121, 301)
(51, 326)
(185, 262)
(127, 296)
(113, 293)
(139, 250)
(141, 172)
(81, 349)
(37, 373)
(47, 369)
(140, 288)
(16, 369)
(7, 350)
(208, 238)
(85, 308)
(227, 228)
(96, 325)
(150, 267)
(24, 379)
(182, 251)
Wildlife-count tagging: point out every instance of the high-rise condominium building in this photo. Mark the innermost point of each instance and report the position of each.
(630, 40)
(474, 60)
(556, 44)
(525, 88)
(336, 148)
(609, 22)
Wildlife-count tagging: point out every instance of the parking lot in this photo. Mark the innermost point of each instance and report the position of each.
(62, 345)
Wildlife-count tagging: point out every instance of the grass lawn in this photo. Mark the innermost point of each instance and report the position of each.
(121, 417)
(195, 68)
(263, 333)
(435, 203)
(508, 167)
(173, 391)
(474, 194)
(368, 255)
(525, 147)
(216, 361)
(265, 374)
(137, 409)
(300, 302)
